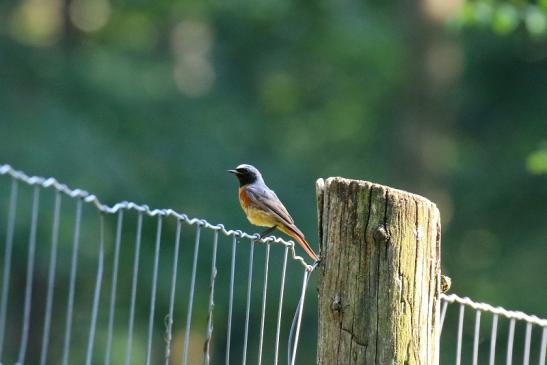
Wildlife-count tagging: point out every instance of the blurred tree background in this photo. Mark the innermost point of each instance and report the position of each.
(153, 101)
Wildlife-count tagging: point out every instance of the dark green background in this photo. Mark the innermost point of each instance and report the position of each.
(385, 92)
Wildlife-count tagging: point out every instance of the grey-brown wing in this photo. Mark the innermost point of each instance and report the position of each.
(268, 200)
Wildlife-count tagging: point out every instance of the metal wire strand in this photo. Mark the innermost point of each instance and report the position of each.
(72, 282)
(30, 275)
(133, 290)
(96, 294)
(299, 317)
(209, 334)
(280, 307)
(169, 319)
(154, 292)
(191, 298)
(51, 278)
(113, 287)
(510, 339)
(543, 347)
(476, 337)
(264, 294)
(493, 335)
(12, 212)
(453, 298)
(527, 340)
(231, 300)
(460, 333)
(248, 305)
(443, 314)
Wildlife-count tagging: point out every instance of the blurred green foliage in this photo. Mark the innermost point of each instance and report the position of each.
(153, 101)
(505, 16)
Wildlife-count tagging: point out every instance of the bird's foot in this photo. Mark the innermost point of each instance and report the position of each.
(266, 233)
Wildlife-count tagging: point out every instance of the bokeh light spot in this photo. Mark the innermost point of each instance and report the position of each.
(90, 15)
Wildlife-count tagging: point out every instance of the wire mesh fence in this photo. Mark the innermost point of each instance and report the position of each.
(85, 283)
(478, 333)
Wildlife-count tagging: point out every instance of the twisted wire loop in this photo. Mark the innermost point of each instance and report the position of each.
(127, 205)
(169, 318)
(209, 334)
(154, 292)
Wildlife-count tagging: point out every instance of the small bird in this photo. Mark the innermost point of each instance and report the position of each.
(263, 208)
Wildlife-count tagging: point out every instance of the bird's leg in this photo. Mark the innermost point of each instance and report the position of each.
(267, 232)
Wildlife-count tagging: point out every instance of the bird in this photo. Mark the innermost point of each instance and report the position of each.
(263, 208)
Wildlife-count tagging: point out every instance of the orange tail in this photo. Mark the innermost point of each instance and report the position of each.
(295, 233)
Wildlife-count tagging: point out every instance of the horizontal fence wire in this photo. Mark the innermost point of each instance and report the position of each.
(493, 334)
(127, 205)
(84, 282)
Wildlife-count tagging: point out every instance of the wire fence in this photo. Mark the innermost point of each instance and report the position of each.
(490, 335)
(86, 283)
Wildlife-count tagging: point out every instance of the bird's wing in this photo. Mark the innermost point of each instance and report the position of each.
(265, 198)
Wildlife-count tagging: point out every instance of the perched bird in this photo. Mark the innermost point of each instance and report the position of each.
(263, 208)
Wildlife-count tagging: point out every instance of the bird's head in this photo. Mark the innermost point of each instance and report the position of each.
(246, 174)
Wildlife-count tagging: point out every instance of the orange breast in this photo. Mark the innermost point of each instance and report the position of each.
(254, 214)
(243, 198)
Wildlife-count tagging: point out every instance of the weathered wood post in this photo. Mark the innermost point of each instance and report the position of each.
(380, 275)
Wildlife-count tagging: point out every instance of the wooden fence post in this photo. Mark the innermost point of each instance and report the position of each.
(380, 275)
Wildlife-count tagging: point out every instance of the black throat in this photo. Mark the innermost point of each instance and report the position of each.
(245, 179)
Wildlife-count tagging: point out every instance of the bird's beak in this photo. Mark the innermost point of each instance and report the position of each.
(233, 171)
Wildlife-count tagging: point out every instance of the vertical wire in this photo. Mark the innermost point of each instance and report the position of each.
(154, 291)
(114, 283)
(476, 337)
(231, 300)
(280, 306)
(51, 277)
(172, 296)
(443, 313)
(493, 335)
(248, 305)
(206, 348)
(72, 283)
(510, 342)
(30, 274)
(527, 340)
(300, 311)
(97, 293)
(460, 331)
(134, 290)
(12, 211)
(264, 294)
(441, 324)
(191, 297)
(543, 348)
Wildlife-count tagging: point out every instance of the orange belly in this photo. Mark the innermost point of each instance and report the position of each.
(255, 215)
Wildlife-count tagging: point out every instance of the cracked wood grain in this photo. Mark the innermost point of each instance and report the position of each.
(379, 275)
